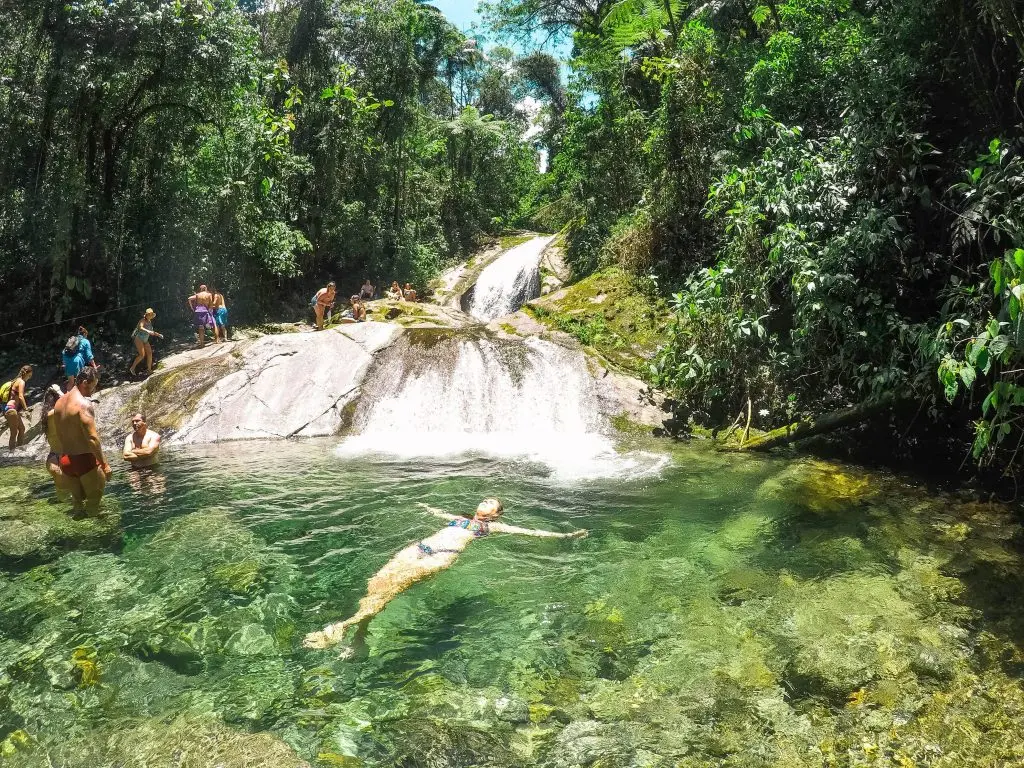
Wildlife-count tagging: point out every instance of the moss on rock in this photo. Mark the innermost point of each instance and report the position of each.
(609, 313)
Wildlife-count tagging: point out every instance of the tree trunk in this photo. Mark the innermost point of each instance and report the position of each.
(800, 430)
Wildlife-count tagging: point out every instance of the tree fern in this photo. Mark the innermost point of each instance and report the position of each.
(630, 22)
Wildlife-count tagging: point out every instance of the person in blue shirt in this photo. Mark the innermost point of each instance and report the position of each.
(77, 355)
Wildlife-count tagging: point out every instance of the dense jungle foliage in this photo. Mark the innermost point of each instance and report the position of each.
(150, 145)
(828, 190)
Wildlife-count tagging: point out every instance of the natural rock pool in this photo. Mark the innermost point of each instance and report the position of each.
(724, 611)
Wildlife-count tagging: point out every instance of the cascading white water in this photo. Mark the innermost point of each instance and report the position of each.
(518, 398)
(509, 282)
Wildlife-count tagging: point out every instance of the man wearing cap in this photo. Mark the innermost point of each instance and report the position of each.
(77, 355)
(140, 336)
(142, 445)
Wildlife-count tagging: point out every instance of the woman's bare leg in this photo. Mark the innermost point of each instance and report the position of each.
(15, 427)
(319, 310)
(149, 357)
(140, 354)
(405, 569)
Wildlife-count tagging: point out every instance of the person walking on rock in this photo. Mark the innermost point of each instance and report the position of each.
(140, 337)
(200, 303)
(85, 470)
(220, 316)
(13, 405)
(142, 446)
(77, 355)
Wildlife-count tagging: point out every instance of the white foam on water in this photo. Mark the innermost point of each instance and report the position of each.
(528, 399)
(510, 281)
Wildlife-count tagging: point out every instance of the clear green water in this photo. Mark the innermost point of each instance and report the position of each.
(732, 611)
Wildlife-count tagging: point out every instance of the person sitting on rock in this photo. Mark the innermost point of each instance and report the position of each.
(323, 301)
(408, 293)
(13, 405)
(142, 446)
(367, 290)
(420, 560)
(356, 313)
(85, 470)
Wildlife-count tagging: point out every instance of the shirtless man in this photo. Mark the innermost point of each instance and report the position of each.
(202, 318)
(220, 316)
(142, 446)
(85, 470)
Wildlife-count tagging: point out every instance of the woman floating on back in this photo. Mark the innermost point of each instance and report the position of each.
(422, 559)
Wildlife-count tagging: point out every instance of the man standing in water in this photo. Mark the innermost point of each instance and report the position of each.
(142, 445)
(82, 464)
(200, 303)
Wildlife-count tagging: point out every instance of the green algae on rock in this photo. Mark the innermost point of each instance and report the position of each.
(36, 528)
(184, 741)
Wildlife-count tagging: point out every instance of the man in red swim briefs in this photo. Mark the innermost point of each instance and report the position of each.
(85, 470)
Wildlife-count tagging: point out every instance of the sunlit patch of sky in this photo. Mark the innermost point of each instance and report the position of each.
(464, 15)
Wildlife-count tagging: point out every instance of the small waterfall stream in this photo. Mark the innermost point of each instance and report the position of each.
(509, 282)
(443, 394)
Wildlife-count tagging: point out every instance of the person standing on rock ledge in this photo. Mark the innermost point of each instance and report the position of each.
(200, 303)
(322, 301)
(85, 470)
(142, 446)
(12, 405)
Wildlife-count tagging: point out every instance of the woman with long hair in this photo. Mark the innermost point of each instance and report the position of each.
(14, 405)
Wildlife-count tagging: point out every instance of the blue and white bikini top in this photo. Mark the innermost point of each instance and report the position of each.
(478, 527)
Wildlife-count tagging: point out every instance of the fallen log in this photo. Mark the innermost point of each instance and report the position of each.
(805, 428)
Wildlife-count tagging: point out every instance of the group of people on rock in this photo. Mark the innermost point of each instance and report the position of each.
(401, 294)
(68, 419)
(209, 313)
(325, 299)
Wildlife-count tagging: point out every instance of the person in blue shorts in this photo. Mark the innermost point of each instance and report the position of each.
(77, 355)
(220, 316)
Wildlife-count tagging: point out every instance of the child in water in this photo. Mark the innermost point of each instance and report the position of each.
(422, 559)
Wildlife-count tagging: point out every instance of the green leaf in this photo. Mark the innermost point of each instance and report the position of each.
(967, 374)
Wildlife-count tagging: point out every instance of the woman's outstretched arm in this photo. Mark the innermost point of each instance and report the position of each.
(502, 528)
(439, 513)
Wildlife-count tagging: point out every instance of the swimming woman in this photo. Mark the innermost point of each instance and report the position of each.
(422, 559)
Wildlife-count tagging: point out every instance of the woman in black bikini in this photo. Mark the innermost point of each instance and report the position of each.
(422, 559)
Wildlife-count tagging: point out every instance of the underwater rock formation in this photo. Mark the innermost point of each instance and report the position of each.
(35, 528)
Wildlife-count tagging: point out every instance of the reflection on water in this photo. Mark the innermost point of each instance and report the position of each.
(147, 482)
(724, 611)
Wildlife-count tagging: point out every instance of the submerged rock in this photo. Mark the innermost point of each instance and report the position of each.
(818, 486)
(36, 528)
(182, 742)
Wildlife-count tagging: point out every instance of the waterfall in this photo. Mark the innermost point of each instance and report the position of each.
(509, 282)
(436, 394)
